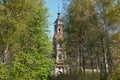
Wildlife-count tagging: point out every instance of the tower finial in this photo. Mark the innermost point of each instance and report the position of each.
(58, 8)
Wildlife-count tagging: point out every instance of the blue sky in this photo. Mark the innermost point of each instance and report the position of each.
(52, 6)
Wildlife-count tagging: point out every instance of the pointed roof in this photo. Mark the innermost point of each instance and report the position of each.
(58, 17)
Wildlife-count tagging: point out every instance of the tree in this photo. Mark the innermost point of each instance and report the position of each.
(25, 49)
(79, 24)
(88, 29)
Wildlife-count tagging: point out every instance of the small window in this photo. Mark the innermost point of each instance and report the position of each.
(59, 68)
(58, 45)
(59, 30)
(60, 56)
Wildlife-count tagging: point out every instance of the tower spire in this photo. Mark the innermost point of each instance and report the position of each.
(58, 10)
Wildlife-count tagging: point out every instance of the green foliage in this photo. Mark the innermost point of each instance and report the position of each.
(3, 72)
(75, 75)
(30, 66)
(80, 24)
(24, 43)
(90, 30)
(114, 75)
(116, 57)
(27, 66)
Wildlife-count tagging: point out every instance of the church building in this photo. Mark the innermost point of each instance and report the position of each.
(60, 66)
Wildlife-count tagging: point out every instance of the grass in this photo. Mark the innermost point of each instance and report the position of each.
(76, 76)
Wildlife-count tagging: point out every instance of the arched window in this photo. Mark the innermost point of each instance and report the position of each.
(58, 45)
(59, 30)
(60, 56)
(59, 73)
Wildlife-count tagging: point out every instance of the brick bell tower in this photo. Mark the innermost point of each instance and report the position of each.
(60, 66)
